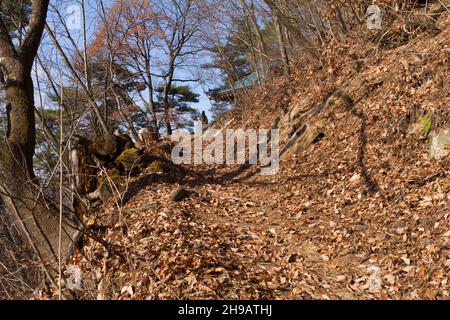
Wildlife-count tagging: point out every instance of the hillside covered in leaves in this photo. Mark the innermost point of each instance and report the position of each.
(360, 213)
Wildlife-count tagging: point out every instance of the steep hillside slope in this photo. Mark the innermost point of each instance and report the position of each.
(361, 213)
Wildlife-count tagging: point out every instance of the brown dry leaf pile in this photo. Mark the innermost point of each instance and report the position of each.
(361, 214)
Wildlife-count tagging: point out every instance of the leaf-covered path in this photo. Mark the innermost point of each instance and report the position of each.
(362, 213)
(303, 234)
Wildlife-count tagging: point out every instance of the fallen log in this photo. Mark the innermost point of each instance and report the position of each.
(309, 135)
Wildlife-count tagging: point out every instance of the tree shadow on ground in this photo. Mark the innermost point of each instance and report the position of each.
(369, 181)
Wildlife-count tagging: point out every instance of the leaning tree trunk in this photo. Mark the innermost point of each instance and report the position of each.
(27, 209)
(36, 217)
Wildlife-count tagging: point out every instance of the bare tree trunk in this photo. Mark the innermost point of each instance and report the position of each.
(262, 47)
(34, 215)
(85, 56)
(283, 48)
(167, 87)
(253, 50)
(284, 20)
(151, 102)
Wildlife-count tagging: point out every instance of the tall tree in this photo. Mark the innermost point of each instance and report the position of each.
(178, 23)
(254, 28)
(283, 9)
(153, 39)
(35, 217)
